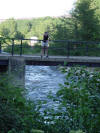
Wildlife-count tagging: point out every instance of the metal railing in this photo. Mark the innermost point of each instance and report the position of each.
(69, 47)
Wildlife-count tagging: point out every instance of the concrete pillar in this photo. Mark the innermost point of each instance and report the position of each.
(17, 71)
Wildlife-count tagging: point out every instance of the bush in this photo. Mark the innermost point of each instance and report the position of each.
(80, 97)
(79, 100)
(79, 106)
(17, 115)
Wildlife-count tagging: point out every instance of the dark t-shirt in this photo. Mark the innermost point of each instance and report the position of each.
(45, 38)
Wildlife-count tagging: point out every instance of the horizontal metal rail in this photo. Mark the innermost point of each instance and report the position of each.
(69, 45)
(69, 41)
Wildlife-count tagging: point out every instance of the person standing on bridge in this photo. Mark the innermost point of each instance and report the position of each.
(44, 44)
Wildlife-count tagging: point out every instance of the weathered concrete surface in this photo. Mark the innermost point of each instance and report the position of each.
(16, 64)
(63, 58)
(17, 71)
(53, 58)
(29, 59)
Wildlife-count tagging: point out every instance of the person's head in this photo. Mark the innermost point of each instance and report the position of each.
(45, 33)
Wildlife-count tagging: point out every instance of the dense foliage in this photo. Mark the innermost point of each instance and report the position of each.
(83, 23)
(79, 100)
(17, 115)
(86, 16)
(78, 108)
(57, 28)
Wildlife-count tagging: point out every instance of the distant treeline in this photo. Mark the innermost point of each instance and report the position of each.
(58, 28)
(83, 24)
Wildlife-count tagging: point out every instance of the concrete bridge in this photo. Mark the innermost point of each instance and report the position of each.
(52, 60)
(15, 65)
(67, 45)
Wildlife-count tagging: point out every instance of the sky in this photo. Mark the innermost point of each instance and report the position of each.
(34, 8)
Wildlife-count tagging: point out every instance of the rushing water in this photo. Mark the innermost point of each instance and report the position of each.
(41, 80)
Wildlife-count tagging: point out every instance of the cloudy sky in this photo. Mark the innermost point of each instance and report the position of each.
(34, 8)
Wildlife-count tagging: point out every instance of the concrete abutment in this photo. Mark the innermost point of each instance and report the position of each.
(16, 70)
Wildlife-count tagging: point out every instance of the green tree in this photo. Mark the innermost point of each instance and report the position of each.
(17, 115)
(8, 28)
(4, 31)
(19, 35)
(87, 22)
(80, 97)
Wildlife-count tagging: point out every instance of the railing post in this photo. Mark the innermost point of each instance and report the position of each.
(12, 51)
(86, 49)
(21, 48)
(68, 48)
(0, 47)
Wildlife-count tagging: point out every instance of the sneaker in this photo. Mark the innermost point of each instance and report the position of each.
(41, 56)
(47, 56)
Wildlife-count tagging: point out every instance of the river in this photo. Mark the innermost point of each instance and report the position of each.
(40, 81)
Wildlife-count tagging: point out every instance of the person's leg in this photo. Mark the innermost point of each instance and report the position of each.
(46, 51)
(46, 48)
(42, 51)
